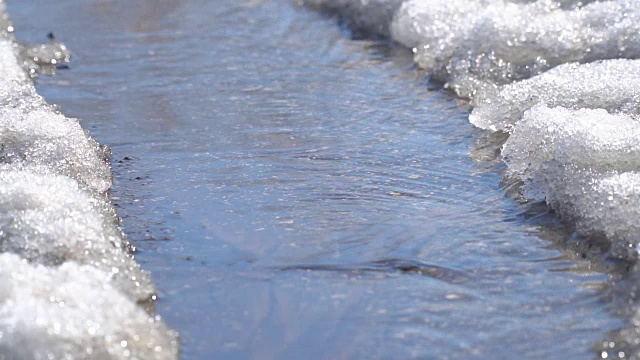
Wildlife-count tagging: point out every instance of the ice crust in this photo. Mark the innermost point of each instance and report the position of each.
(610, 85)
(587, 138)
(69, 285)
(561, 80)
(474, 44)
(585, 163)
(50, 219)
(73, 312)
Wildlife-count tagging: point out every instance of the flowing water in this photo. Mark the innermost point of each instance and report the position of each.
(298, 192)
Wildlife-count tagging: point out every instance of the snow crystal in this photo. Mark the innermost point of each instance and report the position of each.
(73, 312)
(475, 44)
(607, 84)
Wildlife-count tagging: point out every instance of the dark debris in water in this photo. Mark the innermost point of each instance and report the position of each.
(388, 266)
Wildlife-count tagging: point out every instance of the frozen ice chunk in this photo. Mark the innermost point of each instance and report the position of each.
(600, 205)
(49, 219)
(42, 137)
(585, 164)
(44, 58)
(73, 312)
(474, 44)
(585, 138)
(614, 208)
(33, 132)
(608, 84)
(9, 68)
